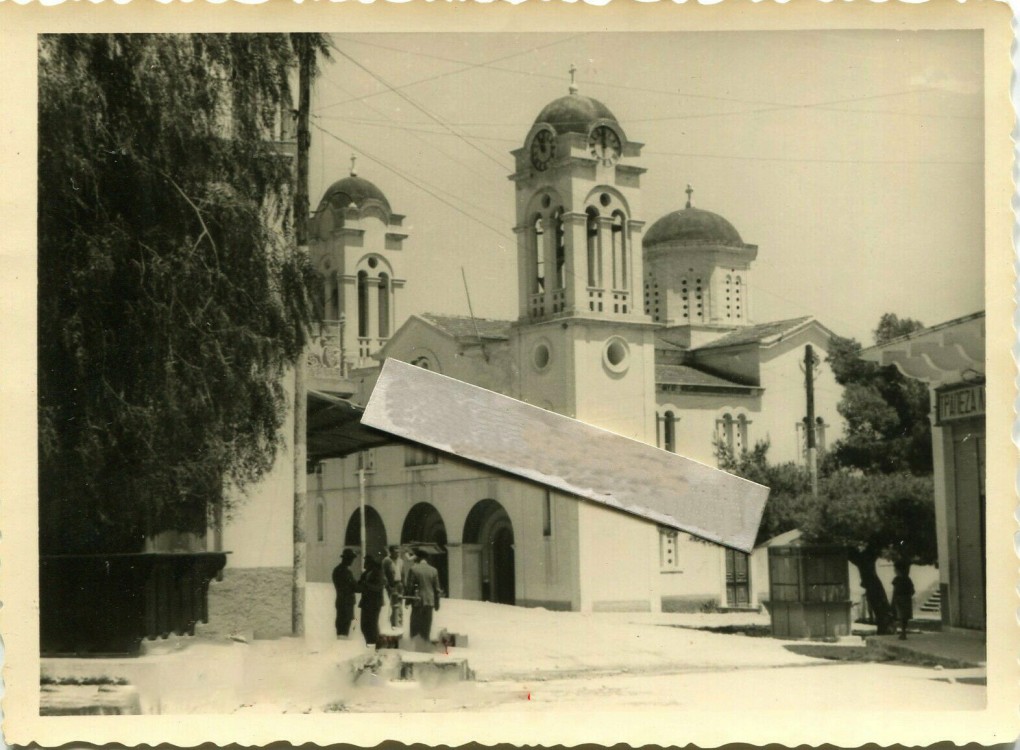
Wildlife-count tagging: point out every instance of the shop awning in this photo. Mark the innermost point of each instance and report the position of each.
(335, 429)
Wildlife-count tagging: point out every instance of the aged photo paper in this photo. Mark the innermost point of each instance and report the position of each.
(661, 220)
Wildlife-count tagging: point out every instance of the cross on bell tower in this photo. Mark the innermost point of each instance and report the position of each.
(354, 159)
(573, 83)
(690, 192)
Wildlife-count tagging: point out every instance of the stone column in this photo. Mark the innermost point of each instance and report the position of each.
(576, 269)
(373, 311)
(455, 561)
(348, 286)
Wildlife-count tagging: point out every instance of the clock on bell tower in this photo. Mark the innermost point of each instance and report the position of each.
(583, 344)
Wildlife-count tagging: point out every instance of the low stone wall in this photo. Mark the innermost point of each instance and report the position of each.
(550, 604)
(619, 605)
(254, 602)
(689, 604)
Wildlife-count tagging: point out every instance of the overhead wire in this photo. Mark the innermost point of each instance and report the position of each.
(689, 154)
(772, 105)
(468, 66)
(421, 108)
(393, 123)
(399, 173)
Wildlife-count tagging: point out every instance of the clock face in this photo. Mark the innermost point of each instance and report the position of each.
(604, 144)
(543, 148)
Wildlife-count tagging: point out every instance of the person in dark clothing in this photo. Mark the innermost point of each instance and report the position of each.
(371, 587)
(345, 585)
(393, 570)
(423, 586)
(903, 597)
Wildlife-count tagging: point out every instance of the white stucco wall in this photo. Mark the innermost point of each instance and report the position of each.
(259, 533)
(545, 566)
(785, 398)
(619, 560)
(699, 578)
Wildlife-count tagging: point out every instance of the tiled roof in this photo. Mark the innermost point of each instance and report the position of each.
(685, 375)
(758, 333)
(462, 326)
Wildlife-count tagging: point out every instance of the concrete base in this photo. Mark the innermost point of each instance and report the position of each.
(89, 700)
(255, 601)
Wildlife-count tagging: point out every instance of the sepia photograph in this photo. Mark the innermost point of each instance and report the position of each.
(537, 373)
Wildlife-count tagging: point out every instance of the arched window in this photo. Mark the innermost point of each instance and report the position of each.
(320, 521)
(740, 435)
(561, 249)
(669, 432)
(538, 256)
(362, 304)
(619, 251)
(594, 261)
(724, 432)
(384, 306)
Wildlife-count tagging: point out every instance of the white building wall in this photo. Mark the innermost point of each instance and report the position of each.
(785, 398)
(698, 580)
(258, 534)
(619, 561)
(545, 566)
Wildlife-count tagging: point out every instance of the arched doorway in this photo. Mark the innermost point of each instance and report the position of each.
(489, 553)
(375, 533)
(425, 526)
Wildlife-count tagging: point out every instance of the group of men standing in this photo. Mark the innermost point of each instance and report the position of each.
(410, 580)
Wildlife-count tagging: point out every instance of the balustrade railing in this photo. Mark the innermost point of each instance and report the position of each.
(621, 301)
(536, 305)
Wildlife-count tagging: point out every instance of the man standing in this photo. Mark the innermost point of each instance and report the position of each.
(393, 570)
(345, 585)
(423, 585)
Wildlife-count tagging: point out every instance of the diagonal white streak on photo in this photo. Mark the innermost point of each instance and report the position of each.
(564, 453)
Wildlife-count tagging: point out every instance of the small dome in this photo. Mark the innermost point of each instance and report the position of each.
(356, 190)
(692, 225)
(574, 113)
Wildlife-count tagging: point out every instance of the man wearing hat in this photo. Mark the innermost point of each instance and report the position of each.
(423, 585)
(346, 586)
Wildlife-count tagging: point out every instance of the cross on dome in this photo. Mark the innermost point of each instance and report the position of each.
(690, 192)
(354, 158)
(573, 84)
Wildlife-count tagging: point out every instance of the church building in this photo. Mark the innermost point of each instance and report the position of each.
(646, 332)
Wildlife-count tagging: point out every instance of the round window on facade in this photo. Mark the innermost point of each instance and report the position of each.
(540, 355)
(604, 199)
(546, 201)
(373, 262)
(615, 354)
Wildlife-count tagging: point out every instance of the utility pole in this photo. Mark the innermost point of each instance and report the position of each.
(305, 53)
(809, 420)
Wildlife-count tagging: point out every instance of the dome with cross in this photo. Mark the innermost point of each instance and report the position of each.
(692, 225)
(574, 113)
(353, 190)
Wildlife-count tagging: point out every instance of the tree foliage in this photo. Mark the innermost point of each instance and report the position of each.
(789, 487)
(877, 515)
(885, 413)
(170, 302)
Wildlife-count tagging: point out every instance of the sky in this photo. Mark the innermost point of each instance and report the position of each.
(853, 159)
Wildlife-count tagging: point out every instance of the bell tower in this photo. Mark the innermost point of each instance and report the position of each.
(583, 343)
